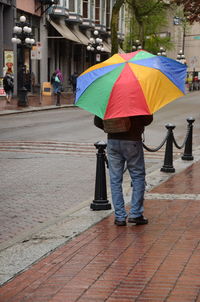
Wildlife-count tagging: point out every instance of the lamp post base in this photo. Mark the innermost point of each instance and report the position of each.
(23, 100)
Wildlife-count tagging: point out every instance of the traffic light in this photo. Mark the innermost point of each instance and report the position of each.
(49, 2)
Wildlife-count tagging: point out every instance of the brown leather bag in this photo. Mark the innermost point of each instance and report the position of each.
(117, 125)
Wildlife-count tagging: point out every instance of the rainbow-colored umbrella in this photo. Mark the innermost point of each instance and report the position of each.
(136, 83)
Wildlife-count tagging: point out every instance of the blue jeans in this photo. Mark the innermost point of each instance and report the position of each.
(56, 87)
(119, 152)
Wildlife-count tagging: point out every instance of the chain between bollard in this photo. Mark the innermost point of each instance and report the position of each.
(100, 201)
(159, 147)
(170, 140)
(184, 142)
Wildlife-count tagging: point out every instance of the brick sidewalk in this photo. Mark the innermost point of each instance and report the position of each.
(155, 262)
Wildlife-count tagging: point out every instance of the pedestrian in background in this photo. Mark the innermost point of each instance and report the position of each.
(8, 85)
(127, 147)
(73, 80)
(56, 81)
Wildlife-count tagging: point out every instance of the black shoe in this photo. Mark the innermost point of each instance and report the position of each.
(120, 222)
(138, 220)
(57, 104)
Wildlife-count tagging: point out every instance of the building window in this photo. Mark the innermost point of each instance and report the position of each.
(79, 7)
(103, 12)
(92, 10)
(121, 20)
(85, 9)
(97, 11)
(107, 13)
(72, 5)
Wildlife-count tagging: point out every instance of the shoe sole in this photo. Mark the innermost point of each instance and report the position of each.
(138, 223)
(124, 224)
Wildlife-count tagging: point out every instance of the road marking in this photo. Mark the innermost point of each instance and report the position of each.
(48, 147)
(67, 148)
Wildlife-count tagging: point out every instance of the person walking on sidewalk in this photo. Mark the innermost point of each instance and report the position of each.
(73, 80)
(8, 85)
(127, 147)
(56, 81)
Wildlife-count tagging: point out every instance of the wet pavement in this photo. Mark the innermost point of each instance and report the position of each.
(188, 182)
(154, 262)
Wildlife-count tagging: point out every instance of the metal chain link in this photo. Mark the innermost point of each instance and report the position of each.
(186, 137)
(159, 147)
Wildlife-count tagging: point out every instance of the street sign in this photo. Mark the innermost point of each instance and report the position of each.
(36, 52)
(39, 53)
(2, 91)
(98, 57)
(33, 53)
(193, 62)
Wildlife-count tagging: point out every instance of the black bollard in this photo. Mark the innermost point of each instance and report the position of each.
(100, 201)
(187, 155)
(168, 161)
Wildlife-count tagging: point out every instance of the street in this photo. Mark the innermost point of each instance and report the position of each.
(48, 160)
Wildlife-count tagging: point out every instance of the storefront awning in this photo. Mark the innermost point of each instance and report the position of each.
(120, 50)
(65, 31)
(84, 40)
(106, 46)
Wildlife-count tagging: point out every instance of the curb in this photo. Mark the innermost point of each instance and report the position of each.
(35, 109)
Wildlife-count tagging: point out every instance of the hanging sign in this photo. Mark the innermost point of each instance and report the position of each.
(2, 91)
(39, 50)
(98, 57)
(8, 61)
(36, 52)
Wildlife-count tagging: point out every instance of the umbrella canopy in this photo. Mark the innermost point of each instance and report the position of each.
(137, 83)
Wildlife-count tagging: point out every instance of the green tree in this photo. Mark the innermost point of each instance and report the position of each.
(146, 16)
(146, 26)
(114, 25)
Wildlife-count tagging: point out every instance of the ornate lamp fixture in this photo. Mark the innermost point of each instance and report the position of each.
(22, 36)
(137, 45)
(181, 57)
(95, 45)
(162, 52)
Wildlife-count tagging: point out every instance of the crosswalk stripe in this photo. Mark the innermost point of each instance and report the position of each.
(55, 147)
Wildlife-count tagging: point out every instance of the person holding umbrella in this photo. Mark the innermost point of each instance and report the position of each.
(126, 147)
(129, 87)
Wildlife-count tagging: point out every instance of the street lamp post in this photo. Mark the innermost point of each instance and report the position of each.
(95, 45)
(137, 45)
(23, 38)
(162, 52)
